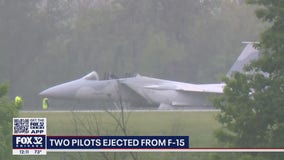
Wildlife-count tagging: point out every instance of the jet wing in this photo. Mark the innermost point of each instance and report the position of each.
(132, 93)
(142, 86)
(186, 87)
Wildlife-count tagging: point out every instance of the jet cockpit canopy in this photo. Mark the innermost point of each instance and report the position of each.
(91, 76)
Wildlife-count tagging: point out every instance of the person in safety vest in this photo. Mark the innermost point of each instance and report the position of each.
(18, 101)
(44, 103)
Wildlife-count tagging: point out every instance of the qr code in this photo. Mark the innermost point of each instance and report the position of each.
(21, 126)
(29, 126)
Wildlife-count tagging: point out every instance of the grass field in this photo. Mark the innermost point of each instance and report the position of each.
(199, 126)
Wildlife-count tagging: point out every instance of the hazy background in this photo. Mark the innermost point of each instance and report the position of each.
(43, 43)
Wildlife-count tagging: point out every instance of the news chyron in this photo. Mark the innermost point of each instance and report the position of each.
(30, 138)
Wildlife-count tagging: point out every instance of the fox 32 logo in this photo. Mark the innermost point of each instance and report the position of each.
(29, 141)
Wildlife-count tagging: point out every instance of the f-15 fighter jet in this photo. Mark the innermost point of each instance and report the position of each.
(142, 90)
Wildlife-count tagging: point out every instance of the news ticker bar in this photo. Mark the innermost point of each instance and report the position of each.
(117, 142)
(40, 144)
(29, 144)
(204, 150)
(190, 150)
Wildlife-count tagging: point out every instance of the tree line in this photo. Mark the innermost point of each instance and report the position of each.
(43, 43)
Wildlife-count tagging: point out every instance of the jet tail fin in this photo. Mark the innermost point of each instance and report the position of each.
(248, 54)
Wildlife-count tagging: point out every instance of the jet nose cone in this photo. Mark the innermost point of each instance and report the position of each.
(43, 93)
(51, 92)
(65, 90)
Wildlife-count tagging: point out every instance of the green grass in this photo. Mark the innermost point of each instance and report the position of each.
(199, 126)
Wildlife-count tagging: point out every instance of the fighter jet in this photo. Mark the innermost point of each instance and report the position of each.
(143, 90)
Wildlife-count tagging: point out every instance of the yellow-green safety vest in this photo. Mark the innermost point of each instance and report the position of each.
(18, 101)
(44, 103)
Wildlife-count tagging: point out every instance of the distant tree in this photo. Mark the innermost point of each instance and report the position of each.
(8, 110)
(252, 106)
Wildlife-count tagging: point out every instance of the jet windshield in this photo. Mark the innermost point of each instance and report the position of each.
(91, 76)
